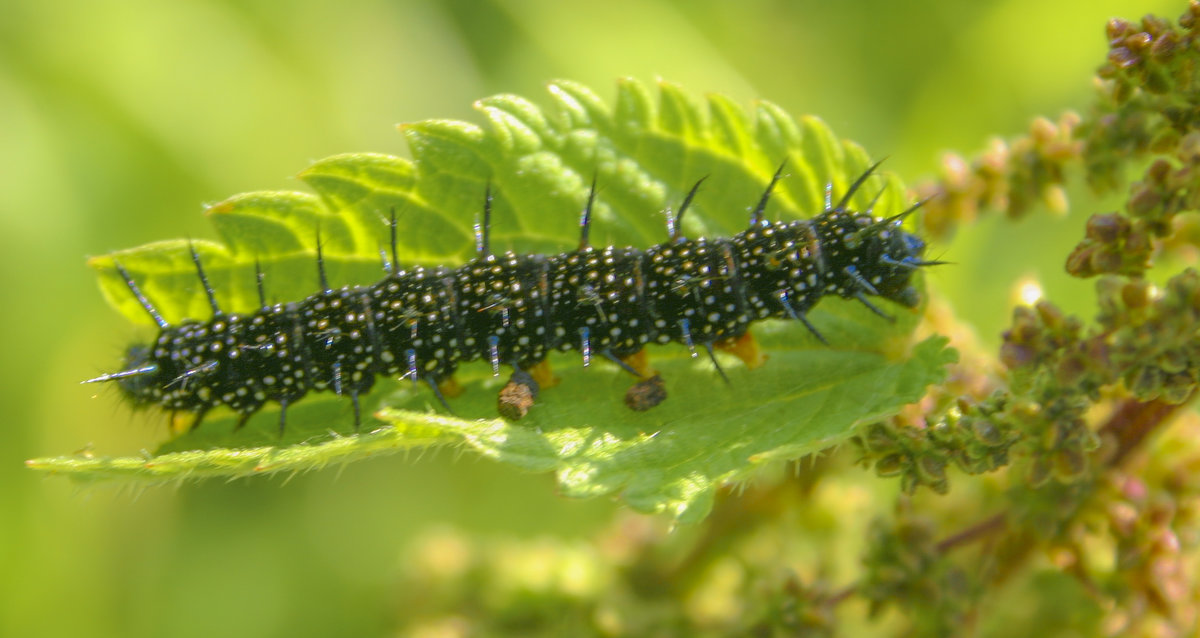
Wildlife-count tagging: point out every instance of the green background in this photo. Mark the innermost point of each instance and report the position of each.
(118, 119)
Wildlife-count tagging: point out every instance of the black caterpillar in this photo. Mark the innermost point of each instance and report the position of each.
(421, 323)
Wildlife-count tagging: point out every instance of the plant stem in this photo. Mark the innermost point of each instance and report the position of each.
(983, 528)
(1133, 421)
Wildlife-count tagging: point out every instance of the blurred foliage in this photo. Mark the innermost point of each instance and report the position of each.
(117, 113)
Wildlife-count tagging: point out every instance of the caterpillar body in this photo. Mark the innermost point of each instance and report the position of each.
(512, 309)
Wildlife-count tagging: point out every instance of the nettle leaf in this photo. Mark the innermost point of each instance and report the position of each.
(644, 154)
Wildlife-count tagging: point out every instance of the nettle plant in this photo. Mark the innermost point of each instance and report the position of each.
(1074, 465)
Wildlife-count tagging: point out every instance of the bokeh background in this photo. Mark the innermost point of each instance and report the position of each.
(119, 118)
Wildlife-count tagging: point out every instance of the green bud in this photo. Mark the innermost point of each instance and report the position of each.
(1146, 382)
(1069, 464)
(1039, 472)
(932, 468)
(891, 465)
(986, 432)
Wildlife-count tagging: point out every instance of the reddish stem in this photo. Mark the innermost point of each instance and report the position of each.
(1133, 421)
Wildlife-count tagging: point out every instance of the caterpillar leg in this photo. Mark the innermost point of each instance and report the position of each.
(639, 365)
(181, 422)
(650, 390)
(521, 391)
(745, 348)
(543, 373)
(646, 394)
(518, 395)
(450, 388)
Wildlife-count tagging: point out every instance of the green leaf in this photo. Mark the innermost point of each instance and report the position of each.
(673, 458)
(645, 155)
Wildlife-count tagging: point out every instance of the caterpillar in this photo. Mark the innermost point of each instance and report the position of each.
(420, 322)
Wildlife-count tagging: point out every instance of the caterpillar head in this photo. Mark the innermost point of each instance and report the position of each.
(899, 253)
(865, 255)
